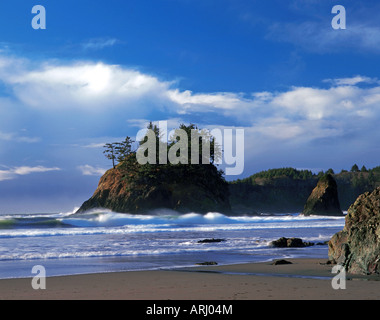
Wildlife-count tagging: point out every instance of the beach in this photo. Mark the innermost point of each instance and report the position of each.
(309, 279)
(106, 255)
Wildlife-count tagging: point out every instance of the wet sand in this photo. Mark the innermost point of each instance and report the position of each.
(303, 279)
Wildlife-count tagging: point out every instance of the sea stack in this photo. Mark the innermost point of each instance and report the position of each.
(357, 246)
(186, 193)
(324, 200)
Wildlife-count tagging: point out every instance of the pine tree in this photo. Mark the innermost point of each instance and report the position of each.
(111, 152)
(355, 168)
(123, 149)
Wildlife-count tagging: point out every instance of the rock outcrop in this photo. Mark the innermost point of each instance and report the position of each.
(211, 240)
(324, 200)
(290, 243)
(357, 246)
(207, 263)
(280, 262)
(200, 194)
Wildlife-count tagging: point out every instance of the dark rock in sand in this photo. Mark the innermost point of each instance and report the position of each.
(207, 263)
(211, 240)
(290, 243)
(324, 200)
(280, 262)
(357, 246)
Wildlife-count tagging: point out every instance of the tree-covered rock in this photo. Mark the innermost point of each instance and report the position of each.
(132, 187)
(200, 192)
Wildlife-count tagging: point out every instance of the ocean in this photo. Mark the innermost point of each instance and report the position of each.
(105, 241)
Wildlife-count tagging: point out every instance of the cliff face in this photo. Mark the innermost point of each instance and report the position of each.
(357, 246)
(116, 193)
(111, 193)
(324, 200)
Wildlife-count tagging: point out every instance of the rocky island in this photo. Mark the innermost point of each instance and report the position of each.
(203, 192)
(131, 187)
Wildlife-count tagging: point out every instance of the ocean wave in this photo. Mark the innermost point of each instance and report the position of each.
(107, 222)
(174, 248)
(150, 229)
(110, 219)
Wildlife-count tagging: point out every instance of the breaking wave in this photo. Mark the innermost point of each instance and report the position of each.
(120, 223)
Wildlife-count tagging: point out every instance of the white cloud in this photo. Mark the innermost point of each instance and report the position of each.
(304, 114)
(88, 170)
(99, 43)
(352, 81)
(98, 87)
(12, 173)
(190, 101)
(81, 85)
(94, 145)
(300, 114)
(28, 170)
(318, 36)
(17, 138)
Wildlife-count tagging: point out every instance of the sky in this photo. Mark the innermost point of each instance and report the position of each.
(306, 95)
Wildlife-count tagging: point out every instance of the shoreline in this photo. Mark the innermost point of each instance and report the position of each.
(303, 279)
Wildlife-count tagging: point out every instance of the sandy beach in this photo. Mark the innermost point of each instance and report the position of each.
(303, 279)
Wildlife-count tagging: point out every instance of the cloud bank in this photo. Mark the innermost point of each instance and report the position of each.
(12, 173)
(340, 112)
(88, 170)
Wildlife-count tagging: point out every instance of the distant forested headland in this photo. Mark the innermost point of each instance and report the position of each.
(287, 189)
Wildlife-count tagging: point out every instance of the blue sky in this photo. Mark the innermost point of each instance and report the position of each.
(307, 95)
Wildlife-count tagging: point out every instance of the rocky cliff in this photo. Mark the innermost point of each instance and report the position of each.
(324, 200)
(357, 246)
(202, 192)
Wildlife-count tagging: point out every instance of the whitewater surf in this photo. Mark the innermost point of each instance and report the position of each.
(104, 241)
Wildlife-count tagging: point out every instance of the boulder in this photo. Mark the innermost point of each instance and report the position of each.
(207, 263)
(290, 243)
(211, 240)
(357, 246)
(324, 200)
(281, 262)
